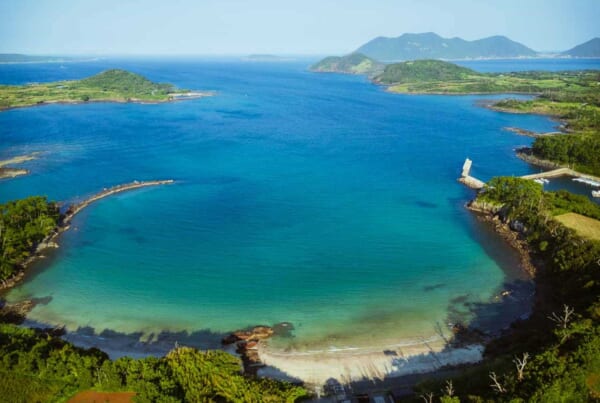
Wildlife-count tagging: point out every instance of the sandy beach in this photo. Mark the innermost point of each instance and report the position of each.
(354, 364)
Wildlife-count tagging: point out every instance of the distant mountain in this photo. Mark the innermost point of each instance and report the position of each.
(590, 48)
(432, 46)
(423, 71)
(19, 58)
(354, 63)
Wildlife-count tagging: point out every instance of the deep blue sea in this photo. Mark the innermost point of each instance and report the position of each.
(316, 199)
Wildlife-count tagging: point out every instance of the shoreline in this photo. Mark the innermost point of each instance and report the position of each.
(374, 363)
(176, 97)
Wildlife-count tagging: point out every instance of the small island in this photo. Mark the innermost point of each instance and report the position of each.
(9, 172)
(109, 86)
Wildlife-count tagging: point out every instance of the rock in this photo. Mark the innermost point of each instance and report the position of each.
(283, 329)
(15, 313)
(255, 334)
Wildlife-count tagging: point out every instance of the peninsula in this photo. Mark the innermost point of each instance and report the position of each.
(109, 86)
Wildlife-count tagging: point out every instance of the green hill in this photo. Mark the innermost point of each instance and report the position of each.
(432, 46)
(125, 82)
(423, 71)
(354, 63)
(590, 48)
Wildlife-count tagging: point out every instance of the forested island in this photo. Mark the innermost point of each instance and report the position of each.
(109, 86)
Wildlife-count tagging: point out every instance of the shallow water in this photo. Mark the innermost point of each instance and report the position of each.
(315, 199)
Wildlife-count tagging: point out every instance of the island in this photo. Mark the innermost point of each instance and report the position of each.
(8, 172)
(20, 58)
(109, 86)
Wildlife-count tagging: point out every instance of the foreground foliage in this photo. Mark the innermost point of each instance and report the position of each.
(39, 366)
(562, 338)
(111, 85)
(23, 224)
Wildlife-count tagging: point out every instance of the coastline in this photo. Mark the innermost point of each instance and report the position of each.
(51, 240)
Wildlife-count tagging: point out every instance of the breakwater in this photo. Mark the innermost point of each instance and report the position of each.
(76, 208)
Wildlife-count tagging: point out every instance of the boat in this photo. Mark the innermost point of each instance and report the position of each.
(587, 181)
(595, 193)
(541, 181)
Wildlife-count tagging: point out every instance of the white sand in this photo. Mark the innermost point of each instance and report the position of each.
(345, 365)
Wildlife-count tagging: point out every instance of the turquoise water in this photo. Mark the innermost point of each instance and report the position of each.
(315, 199)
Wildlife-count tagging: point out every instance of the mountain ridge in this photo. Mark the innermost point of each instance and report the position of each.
(590, 48)
(429, 45)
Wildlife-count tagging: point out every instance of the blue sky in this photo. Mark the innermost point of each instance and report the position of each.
(219, 27)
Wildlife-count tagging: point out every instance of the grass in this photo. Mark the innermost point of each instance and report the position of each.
(584, 226)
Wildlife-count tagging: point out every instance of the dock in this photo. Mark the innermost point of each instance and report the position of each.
(477, 184)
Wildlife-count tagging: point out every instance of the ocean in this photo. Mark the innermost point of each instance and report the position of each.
(315, 199)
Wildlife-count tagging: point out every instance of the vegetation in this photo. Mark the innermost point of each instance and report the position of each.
(584, 226)
(424, 71)
(554, 356)
(39, 366)
(354, 63)
(111, 85)
(23, 224)
(438, 77)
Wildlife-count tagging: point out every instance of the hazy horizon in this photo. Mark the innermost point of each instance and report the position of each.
(212, 28)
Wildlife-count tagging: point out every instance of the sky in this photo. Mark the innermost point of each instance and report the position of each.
(315, 27)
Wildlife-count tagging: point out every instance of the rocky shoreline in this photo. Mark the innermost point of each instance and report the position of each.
(509, 231)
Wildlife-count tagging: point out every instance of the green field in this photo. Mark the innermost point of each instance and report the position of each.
(584, 226)
(109, 86)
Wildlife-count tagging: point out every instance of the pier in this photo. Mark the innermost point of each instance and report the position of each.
(477, 184)
(467, 179)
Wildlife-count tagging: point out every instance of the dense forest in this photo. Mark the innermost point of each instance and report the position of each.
(23, 224)
(554, 356)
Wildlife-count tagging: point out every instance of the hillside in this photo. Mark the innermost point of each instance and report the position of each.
(432, 46)
(108, 86)
(423, 71)
(354, 63)
(590, 48)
